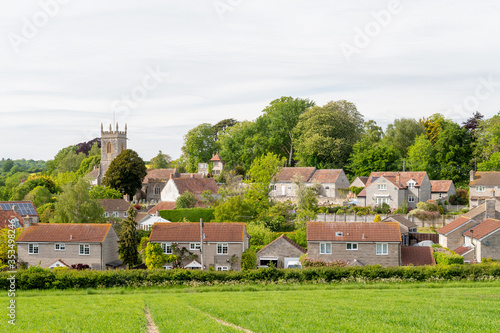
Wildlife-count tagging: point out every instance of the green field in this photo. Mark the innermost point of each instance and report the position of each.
(403, 307)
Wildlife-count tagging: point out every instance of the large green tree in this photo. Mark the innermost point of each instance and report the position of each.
(160, 161)
(129, 240)
(326, 134)
(401, 134)
(422, 157)
(199, 146)
(74, 205)
(126, 172)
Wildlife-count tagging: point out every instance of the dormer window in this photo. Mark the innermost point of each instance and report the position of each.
(339, 233)
(411, 184)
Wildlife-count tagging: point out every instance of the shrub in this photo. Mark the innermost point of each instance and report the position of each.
(377, 218)
(189, 214)
(448, 259)
(249, 259)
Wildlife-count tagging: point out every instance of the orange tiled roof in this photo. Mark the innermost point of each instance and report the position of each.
(161, 174)
(284, 237)
(399, 178)
(190, 232)
(454, 224)
(441, 185)
(287, 174)
(215, 157)
(486, 178)
(7, 215)
(196, 185)
(163, 205)
(463, 250)
(417, 256)
(354, 231)
(484, 228)
(65, 232)
(326, 175)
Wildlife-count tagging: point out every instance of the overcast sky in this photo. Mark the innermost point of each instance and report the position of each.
(165, 67)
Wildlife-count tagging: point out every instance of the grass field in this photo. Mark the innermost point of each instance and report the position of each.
(403, 307)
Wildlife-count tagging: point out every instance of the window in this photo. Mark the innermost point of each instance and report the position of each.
(325, 248)
(167, 248)
(106, 214)
(411, 184)
(382, 249)
(157, 189)
(411, 198)
(222, 268)
(33, 248)
(339, 233)
(115, 214)
(382, 187)
(273, 187)
(60, 247)
(381, 201)
(480, 188)
(168, 267)
(125, 214)
(194, 246)
(440, 195)
(351, 246)
(84, 249)
(109, 148)
(221, 248)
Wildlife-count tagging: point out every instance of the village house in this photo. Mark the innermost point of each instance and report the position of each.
(177, 186)
(221, 247)
(281, 253)
(162, 205)
(442, 190)
(395, 189)
(115, 208)
(405, 227)
(359, 182)
(451, 235)
(64, 244)
(217, 166)
(366, 243)
(331, 182)
(482, 185)
(25, 208)
(485, 239)
(147, 222)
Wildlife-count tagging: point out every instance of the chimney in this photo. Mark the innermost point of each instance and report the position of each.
(192, 175)
(14, 208)
(157, 213)
(171, 176)
(490, 208)
(27, 221)
(472, 175)
(126, 197)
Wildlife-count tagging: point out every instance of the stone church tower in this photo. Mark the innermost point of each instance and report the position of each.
(112, 144)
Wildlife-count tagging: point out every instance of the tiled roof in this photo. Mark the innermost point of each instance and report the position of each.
(65, 232)
(190, 232)
(399, 178)
(287, 174)
(8, 215)
(362, 179)
(196, 185)
(354, 231)
(417, 256)
(486, 178)
(325, 175)
(93, 174)
(161, 174)
(484, 228)
(454, 224)
(112, 205)
(441, 185)
(163, 205)
(190, 175)
(362, 193)
(475, 212)
(400, 219)
(463, 250)
(215, 157)
(285, 238)
(139, 216)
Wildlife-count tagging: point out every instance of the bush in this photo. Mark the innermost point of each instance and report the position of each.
(249, 259)
(448, 259)
(189, 214)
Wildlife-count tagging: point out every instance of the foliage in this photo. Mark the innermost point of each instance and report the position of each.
(104, 192)
(382, 209)
(46, 212)
(421, 157)
(155, 258)
(234, 209)
(356, 190)
(74, 205)
(259, 234)
(126, 172)
(208, 199)
(402, 133)
(377, 218)
(80, 267)
(307, 262)
(249, 259)
(460, 198)
(191, 215)
(186, 200)
(199, 146)
(447, 259)
(88, 164)
(129, 240)
(307, 200)
(6, 245)
(90, 148)
(160, 161)
(40, 196)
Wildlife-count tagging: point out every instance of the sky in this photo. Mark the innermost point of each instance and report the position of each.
(164, 67)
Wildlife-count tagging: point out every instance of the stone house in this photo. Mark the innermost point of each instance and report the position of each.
(217, 166)
(282, 253)
(359, 182)
(331, 182)
(175, 187)
(154, 182)
(405, 227)
(451, 235)
(221, 248)
(115, 208)
(395, 189)
(25, 208)
(484, 239)
(50, 245)
(362, 242)
(482, 185)
(466, 251)
(442, 189)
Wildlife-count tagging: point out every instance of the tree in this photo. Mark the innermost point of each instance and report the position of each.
(7, 165)
(160, 161)
(4, 242)
(402, 133)
(222, 126)
(421, 157)
(326, 134)
(473, 122)
(155, 258)
(186, 200)
(129, 240)
(199, 146)
(104, 192)
(368, 156)
(74, 205)
(126, 172)
(40, 196)
(487, 138)
(307, 201)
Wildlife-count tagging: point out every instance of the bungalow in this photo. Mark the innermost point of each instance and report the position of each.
(221, 247)
(395, 189)
(482, 185)
(450, 236)
(282, 253)
(485, 239)
(367, 243)
(50, 245)
(442, 189)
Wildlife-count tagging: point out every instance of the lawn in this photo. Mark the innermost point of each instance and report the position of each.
(398, 307)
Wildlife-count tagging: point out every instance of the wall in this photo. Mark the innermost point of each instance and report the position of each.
(493, 249)
(370, 218)
(281, 249)
(47, 255)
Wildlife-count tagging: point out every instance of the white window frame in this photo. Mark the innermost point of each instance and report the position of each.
(195, 246)
(84, 249)
(125, 214)
(60, 247)
(382, 249)
(339, 233)
(411, 198)
(167, 248)
(222, 248)
(351, 246)
(33, 248)
(169, 267)
(379, 201)
(411, 184)
(382, 187)
(325, 248)
(480, 188)
(222, 268)
(106, 214)
(116, 214)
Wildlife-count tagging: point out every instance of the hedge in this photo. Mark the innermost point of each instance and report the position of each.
(71, 279)
(190, 214)
(447, 259)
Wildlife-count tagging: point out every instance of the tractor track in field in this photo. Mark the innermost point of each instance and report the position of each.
(220, 321)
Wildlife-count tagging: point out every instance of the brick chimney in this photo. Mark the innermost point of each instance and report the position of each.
(28, 221)
(472, 175)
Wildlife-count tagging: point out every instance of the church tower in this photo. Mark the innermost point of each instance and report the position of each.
(112, 144)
